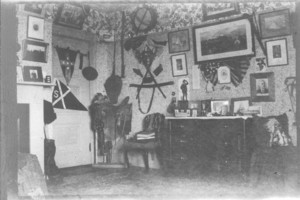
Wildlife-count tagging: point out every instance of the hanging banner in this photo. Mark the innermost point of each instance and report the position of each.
(67, 59)
(63, 98)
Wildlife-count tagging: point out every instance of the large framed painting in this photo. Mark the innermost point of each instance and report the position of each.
(223, 40)
(275, 23)
(217, 10)
(70, 15)
(262, 87)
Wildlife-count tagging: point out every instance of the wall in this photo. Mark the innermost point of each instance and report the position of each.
(32, 94)
(280, 106)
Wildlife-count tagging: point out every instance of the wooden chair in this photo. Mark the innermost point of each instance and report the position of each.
(152, 123)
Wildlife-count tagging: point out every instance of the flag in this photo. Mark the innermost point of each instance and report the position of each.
(63, 98)
(67, 60)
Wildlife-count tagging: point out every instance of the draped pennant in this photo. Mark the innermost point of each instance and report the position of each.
(238, 69)
(63, 98)
(67, 59)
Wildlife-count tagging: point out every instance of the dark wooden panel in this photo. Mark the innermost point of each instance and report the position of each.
(23, 128)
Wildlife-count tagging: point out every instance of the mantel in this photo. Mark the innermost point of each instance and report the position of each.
(204, 117)
(36, 84)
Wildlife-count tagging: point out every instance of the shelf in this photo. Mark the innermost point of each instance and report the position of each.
(37, 84)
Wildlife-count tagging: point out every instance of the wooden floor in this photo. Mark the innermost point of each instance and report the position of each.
(134, 183)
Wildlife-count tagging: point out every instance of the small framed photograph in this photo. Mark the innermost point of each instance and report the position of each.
(257, 110)
(70, 15)
(275, 23)
(277, 52)
(33, 74)
(179, 65)
(217, 10)
(35, 51)
(205, 107)
(262, 87)
(240, 105)
(19, 74)
(220, 107)
(224, 75)
(36, 8)
(220, 40)
(179, 41)
(35, 28)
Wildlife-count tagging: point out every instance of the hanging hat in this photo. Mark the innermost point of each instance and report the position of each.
(89, 72)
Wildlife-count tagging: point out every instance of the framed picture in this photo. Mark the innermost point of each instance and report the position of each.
(33, 74)
(223, 40)
(179, 65)
(277, 52)
(220, 107)
(35, 51)
(240, 105)
(179, 41)
(217, 10)
(205, 107)
(36, 8)
(35, 28)
(255, 110)
(19, 74)
(262, 87)
(70, 15)
(224, 74)
(275, 23)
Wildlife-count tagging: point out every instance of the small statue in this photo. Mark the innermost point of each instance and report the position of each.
(183, 88)
(172, 105)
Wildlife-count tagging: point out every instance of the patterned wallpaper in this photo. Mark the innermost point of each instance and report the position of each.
(170, 16)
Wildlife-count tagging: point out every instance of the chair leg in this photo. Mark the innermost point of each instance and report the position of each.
(159, 155)
(126, 159)
(146, 161)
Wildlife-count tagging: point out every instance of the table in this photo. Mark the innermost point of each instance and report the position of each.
(222, 143)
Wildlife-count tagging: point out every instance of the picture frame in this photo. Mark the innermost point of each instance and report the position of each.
(257, 110)
(220, 107)
(240, 105)
(179, 65)
(275, 23)
(205, 107)
(70, 15)
(33, 74)
(36, 8)
(277, 54)
(262, 87)
(179, 41)
(224, 76)
(35, 28)
(35, 51)
(213, 11)
(223, 40)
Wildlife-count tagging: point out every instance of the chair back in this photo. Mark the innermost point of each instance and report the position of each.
(153, 122)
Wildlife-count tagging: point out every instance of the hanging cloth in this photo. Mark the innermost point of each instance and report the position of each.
(67, 59)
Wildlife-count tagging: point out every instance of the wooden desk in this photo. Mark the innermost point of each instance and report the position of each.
(210, 143)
